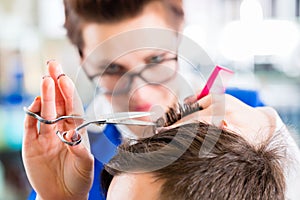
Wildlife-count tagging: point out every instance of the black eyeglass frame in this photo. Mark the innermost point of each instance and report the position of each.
(131, 78)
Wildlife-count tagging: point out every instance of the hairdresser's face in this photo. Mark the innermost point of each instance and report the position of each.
(124, 91)
(134, 187)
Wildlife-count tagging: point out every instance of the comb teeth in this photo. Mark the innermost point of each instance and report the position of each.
(177, 112)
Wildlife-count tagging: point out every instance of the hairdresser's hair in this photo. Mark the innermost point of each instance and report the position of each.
(78, 12)
(232, 169)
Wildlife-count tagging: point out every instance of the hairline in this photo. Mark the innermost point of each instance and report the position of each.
(80, 44)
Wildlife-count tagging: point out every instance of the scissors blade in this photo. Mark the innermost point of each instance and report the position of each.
(131, 122)
(125, 115)
(125, 121)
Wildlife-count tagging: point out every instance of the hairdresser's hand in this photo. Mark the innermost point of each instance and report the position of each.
(54, 169)
(254, 124)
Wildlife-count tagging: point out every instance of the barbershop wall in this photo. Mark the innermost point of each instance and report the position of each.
(258, 39)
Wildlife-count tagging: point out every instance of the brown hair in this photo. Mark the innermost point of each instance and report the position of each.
(231, 169)
(77, 12)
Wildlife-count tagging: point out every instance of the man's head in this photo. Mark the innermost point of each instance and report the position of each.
(231, 169)
(94, 27)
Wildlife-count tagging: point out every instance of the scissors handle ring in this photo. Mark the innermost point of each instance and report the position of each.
(74, 142)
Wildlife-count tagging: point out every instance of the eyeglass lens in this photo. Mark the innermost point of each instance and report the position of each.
(153, 74)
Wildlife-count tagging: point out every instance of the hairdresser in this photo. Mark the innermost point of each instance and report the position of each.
(59, 171)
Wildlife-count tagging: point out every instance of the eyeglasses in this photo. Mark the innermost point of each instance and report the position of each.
(117, 81)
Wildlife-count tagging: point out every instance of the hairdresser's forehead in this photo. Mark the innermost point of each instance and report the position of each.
(134, 187)
(153, 16)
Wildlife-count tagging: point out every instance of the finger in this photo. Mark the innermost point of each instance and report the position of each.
(80, 151)
(31, 130)
(205, 102)
(190, 99)
(215, 102)
(48, 109)
(213, 111)
(73, 104)
(55, 71)
(202, 115)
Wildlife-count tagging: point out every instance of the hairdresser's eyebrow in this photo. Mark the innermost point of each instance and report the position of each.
(101, 69)
(103, 64)
(163, 53)
(95, 67)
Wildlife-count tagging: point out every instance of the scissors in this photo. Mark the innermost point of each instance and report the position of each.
(125, 118)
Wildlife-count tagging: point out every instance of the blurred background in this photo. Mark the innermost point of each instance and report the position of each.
(258, 39)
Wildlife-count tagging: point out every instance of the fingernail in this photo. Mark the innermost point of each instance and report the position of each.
(50, 61)
(46, 76)
(190, 99)
(37, 98)
(224, 124)
(60, 76)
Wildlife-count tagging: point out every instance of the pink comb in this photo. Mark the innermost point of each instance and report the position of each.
(211, 82)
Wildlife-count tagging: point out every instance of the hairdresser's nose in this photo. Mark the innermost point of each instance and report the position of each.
(139, 87)
(140, 95)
